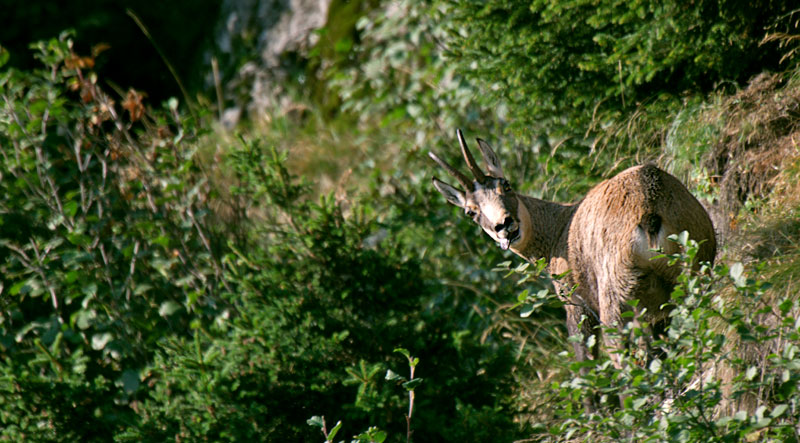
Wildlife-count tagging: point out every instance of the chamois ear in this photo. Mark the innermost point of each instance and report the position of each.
(453, 195)
(491, 160)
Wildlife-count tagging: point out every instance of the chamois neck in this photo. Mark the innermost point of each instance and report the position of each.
(544, 228)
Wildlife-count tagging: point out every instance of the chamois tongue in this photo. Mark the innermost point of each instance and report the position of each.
(504, 242)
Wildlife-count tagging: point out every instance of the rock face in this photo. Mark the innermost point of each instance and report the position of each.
(265, 33)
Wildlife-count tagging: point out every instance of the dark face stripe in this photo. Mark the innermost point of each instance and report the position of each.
(490, 197)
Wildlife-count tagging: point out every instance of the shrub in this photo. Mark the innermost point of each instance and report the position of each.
(134, 311)
(105, 246)
(562, 65)
(321, 303)
(708, 379)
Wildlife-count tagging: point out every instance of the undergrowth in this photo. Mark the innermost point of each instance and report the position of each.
(725, 371)
(133, 310)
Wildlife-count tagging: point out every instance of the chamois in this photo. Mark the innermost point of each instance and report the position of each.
(607, 241)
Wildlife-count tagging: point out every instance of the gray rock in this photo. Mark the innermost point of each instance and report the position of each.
(262, 31)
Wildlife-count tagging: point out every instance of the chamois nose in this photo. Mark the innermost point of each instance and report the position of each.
(506, 223)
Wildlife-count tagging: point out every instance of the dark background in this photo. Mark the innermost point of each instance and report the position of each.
(183, 29)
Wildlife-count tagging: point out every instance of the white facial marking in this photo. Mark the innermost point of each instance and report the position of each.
(494, 213)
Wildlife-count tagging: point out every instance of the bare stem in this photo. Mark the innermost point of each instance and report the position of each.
(410, 403)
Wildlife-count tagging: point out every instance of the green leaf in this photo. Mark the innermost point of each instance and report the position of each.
(83, 318)
(211, 355)
(655, 366)
(403, 351)
(130, 381)
(99, 341)
(393, 376)
(371, 435)
(763, 423)
(332, 432)
(71, 276)
(412, 384)
(37, 107)
(71, 208)
(78, 239)
(526, 311)
(90, 290)
(778, 410)
(162, 240)
(521, 267)
(168, 308)
(627, 403)
(736, 273)
(141, 289)
(591, 341)
(315, 421)
(786, 305)
(17, 288)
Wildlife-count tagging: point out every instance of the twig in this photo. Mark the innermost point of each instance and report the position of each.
(217, 86)
(174, 73)
(621, 86)
(39, 270)
(410, 407)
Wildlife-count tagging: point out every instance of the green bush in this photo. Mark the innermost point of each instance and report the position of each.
(321, 303)
(563, 66)
(725, 371)
(134, 311)
(105, 246)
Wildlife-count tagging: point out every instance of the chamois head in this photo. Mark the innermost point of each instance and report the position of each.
(488, 199)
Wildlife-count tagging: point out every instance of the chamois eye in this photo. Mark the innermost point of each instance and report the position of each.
(506, 186)
(470, 213)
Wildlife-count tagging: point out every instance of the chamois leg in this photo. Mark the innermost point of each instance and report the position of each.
(622, 285)
(582, 324)
(610, 300)
(653, 291)
(610, 318)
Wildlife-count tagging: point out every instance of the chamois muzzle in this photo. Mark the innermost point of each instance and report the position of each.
(507, 233)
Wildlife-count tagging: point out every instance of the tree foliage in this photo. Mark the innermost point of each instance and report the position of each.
(105, 245)
(133, 310)
(562, 66)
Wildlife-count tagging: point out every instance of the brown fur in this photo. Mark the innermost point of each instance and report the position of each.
(605, 241)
